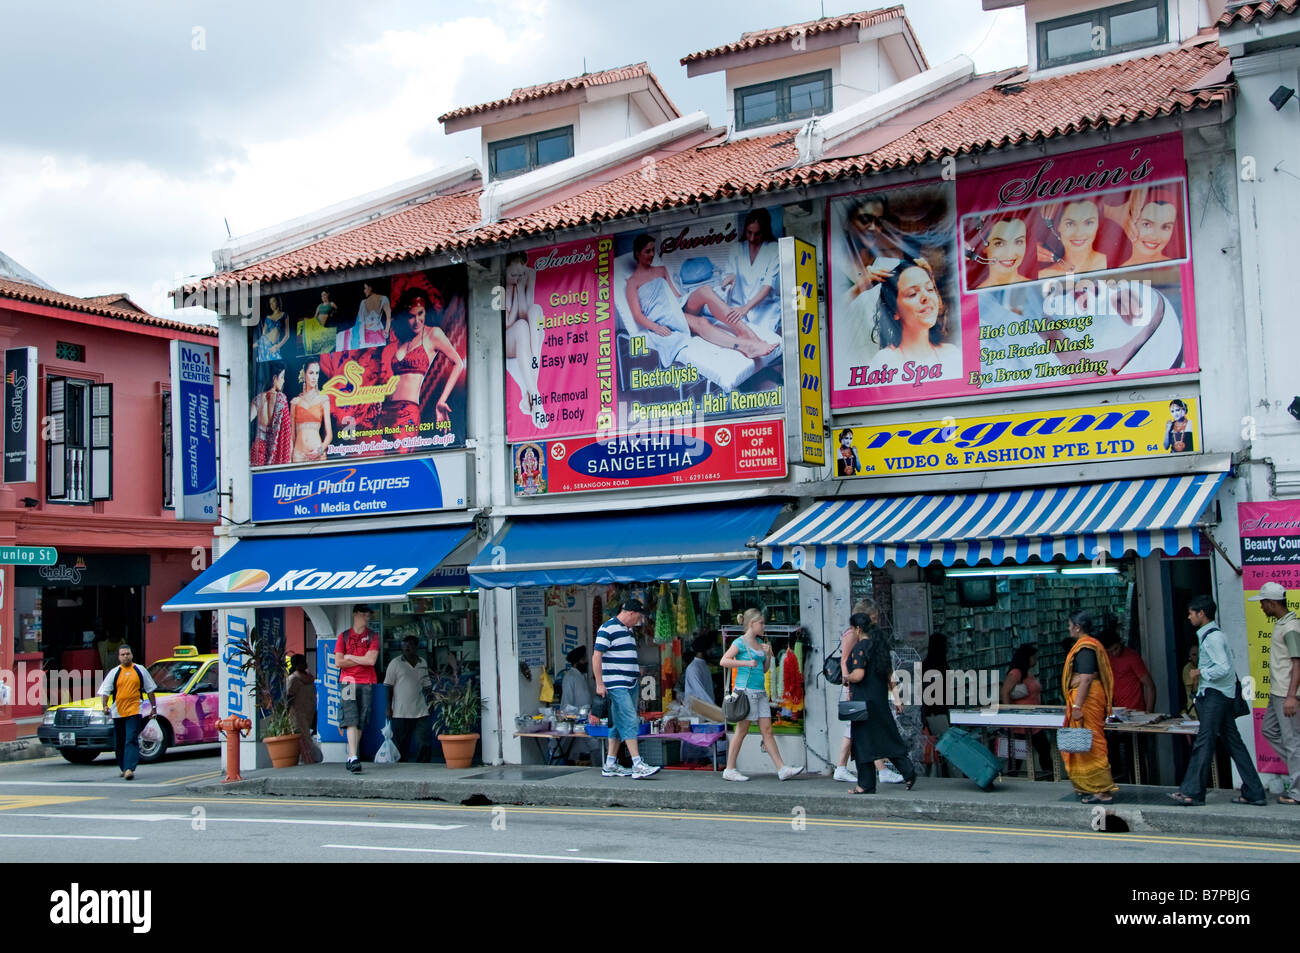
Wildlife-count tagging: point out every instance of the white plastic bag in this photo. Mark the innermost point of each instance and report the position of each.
(151, 733)
(388, 753)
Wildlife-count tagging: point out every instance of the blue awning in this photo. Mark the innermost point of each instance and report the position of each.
(1076, 522)
(330, 569)
(699, 543)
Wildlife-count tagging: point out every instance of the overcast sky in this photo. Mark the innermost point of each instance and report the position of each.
(134, 128)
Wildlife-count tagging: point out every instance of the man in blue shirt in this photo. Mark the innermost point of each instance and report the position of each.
(1214, 702)
(618, 673)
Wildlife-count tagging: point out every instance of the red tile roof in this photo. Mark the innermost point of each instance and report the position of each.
(781, 34)
(1248, 12)
(1008, 113)
(102, 305)
(528, 93)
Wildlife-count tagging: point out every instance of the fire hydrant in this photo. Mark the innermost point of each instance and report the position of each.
(232, 727)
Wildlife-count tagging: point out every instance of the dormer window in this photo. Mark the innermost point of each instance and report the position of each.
(1113, 29)
(509, 157)
(783, 100)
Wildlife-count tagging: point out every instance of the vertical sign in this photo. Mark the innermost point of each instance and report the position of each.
(20, 415)
(1270, 552)
(530, 606)
(810, 357)
(194, 432)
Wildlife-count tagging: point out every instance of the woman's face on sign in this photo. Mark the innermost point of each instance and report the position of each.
(1007, 244)
(1079, 222)
(1155, 227)
(918, 299)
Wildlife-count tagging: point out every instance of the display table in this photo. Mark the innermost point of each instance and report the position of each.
(1053, 716)
(699, 739)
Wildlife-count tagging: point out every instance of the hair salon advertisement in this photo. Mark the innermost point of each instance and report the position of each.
(360, 369)
(641, 333)
(1270, 552)
(1052, 273)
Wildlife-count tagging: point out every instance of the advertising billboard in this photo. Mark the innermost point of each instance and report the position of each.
(360, 369)
(20, 415)
(1070, 269)
(194, 430)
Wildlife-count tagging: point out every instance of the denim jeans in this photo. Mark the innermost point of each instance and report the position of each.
(622, 713)
(126, 732)
(1215, 711)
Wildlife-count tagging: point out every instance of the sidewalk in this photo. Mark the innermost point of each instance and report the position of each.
(1013, 803)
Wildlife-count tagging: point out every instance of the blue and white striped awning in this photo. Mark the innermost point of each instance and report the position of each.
(1075, 522)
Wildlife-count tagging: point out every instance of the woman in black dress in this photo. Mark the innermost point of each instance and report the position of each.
(869, 680)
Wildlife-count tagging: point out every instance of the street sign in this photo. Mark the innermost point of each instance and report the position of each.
(28, 555)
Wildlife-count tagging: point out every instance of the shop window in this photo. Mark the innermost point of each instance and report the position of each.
(511, 157)
(783, 100)
(79, 451)
(1113, 29)
(167, 450)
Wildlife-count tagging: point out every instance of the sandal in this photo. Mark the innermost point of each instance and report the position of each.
(1182, 800)
(910, 782)
(860, 791)
(1283, 799)
(1241, 800)
(1096, 799)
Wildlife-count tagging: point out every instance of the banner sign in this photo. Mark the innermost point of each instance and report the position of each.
(660, 328)
(1270, 552)
(194, 431)
(675, 457)
(1070, 269)
(361, 489)
(530, 625)
(329, 700)
(363, 369)
(1030, 438)
(20, 415)
(804, 343)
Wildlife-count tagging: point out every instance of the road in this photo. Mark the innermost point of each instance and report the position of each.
(54, 811)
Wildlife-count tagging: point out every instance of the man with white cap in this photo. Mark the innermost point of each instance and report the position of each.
(1282, 717)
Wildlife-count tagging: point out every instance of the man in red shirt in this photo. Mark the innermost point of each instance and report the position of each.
(355, 653)
(1134, 690)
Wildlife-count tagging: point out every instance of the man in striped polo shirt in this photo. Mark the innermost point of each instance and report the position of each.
(617, 675)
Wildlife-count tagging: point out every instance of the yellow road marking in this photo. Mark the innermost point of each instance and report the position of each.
(194, 777)
(9, 802)
(48, 757)
(1168, 840)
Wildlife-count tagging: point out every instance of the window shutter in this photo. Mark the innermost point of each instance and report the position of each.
(56, 463)
(101, 442)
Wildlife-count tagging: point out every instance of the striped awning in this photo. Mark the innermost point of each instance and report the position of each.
(1075, 522)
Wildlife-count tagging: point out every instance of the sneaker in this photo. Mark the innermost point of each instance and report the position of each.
(354, 765)
(890, 776)
(786, 773)
(644, 770)
(615, 770)
(842, 773)
(731, 774)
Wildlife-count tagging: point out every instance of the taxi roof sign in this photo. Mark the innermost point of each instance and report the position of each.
(185, 651)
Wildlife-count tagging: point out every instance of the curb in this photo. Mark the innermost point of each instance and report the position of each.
(996, 809)
(25, 749)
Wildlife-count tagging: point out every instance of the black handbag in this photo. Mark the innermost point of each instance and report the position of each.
(735, 707)
(831, 670)
(600, 706)
(1240, 707)
(853, 711)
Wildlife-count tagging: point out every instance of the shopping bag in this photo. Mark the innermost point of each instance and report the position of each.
(151, 733)
(388, 753)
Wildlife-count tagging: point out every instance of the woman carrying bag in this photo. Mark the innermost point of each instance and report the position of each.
(751, 656)
(873, 731)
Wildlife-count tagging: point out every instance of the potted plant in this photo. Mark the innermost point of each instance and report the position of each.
(456, 713)
(274, 725)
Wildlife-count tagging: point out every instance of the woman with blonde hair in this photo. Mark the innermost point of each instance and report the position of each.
(750, 655)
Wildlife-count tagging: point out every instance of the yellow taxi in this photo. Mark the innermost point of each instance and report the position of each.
(187, 712)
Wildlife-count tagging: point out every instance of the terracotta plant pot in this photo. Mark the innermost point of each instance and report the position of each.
(458, 749)
(283, 750)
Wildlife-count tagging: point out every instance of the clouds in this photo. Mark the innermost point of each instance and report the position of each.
(134, 128)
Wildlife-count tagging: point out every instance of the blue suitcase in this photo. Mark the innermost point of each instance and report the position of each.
(970, 757)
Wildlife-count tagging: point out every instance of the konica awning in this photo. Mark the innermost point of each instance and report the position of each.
(647, 546)
(327, 569)
(1074, 522)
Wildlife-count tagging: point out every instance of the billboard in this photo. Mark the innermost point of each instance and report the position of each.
(1070, 269)
(380, 487)
(1030, 438)
(1270, 552)
(360, 369)
(194, 431)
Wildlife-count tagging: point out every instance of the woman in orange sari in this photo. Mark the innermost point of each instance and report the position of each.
(1089, 689)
